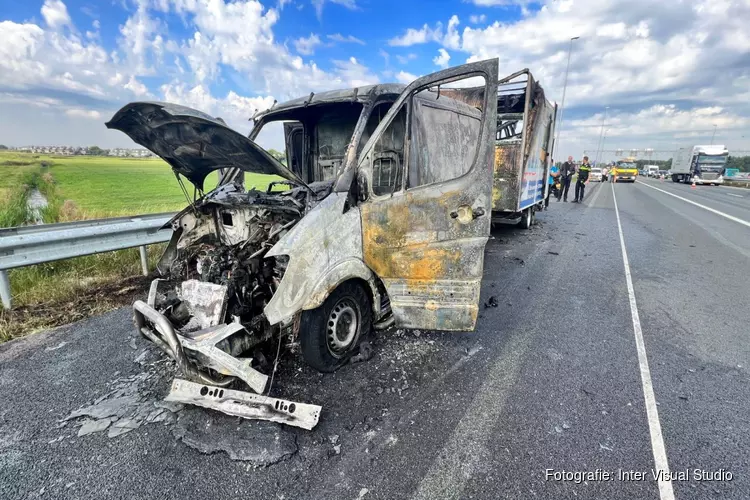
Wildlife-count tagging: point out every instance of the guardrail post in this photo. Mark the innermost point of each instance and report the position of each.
(144, 259)
(5, 289)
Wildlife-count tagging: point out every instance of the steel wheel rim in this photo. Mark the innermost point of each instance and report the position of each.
(342, 327)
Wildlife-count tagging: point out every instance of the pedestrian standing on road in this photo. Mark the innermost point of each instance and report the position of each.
(583, 178)
(554, 173)
(566, 174)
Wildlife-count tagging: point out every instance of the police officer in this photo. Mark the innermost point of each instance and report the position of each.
(583, 178)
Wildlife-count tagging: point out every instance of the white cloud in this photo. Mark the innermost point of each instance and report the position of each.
(353, 72)
(405, 59)
(233, 108)
(84, 113)
(664, 67)
(318, 4)
(140, 41)
(417, 36)
(306, 46)
(442, 58)
(452, 38)
(338, 37)
(228, 42)
(404, 77)
(632, 54)
(55, 14)
(385, 55)
(136, 87)
(499, 3)
(425, 34)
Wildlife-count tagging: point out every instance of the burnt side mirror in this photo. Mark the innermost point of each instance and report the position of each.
(362, 187)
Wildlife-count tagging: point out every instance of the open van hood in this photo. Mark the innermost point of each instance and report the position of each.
(192, 142)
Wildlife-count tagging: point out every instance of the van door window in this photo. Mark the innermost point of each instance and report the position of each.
(444, 139)
(386, 159)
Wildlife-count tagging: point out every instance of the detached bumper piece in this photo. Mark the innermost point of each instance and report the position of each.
(198, 357)
(244, 404)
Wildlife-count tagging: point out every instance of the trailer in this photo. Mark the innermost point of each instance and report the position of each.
(523, 149)
(700, 164)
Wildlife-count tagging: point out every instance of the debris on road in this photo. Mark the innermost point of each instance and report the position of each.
(492, 302)
(91, 426)
(259, 443)
(365, 353)
(124, 408)
(58, 346)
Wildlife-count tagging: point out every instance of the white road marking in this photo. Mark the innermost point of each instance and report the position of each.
(735, 195)
(654, 426)
(596, 195)
(730, 217)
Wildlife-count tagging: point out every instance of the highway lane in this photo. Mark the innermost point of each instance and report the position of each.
(733, 201)
(695, 324)
(551, 379)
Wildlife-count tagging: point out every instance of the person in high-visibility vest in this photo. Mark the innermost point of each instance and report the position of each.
(583, 178)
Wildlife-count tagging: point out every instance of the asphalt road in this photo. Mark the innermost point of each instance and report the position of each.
(551, 379)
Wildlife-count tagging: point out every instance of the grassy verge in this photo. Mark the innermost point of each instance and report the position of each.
(79, 188)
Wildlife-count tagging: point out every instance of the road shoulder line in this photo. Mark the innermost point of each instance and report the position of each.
(717, 212)
(654, 426)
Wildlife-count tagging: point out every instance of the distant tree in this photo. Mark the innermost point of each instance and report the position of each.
(278, 155)
(740, 162)
(96, 151)
(3, 146)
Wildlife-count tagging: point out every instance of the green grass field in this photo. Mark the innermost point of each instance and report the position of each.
(102, 186)
(83, 187)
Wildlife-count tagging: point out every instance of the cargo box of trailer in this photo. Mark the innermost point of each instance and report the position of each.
(524, 141)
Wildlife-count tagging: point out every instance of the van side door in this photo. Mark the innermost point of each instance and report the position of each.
(425, 185)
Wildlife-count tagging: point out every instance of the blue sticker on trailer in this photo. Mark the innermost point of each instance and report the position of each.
(534, 197)
(535, 174)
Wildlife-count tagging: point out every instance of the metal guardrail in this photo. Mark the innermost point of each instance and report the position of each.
(29, 245)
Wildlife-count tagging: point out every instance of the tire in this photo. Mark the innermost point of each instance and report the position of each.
(526, 218)
(327, 344)
(675, 178)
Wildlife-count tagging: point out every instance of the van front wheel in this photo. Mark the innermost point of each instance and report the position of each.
(330, 334)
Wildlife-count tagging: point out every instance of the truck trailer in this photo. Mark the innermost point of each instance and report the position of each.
(523, 149)
(700, 164)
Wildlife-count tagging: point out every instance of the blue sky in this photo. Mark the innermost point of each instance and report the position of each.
(651, 74)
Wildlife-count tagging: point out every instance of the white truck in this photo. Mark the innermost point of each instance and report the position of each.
(700, 164)
(652, 170)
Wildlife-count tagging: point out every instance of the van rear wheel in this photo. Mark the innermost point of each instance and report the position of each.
(527, 218)
(330, 334)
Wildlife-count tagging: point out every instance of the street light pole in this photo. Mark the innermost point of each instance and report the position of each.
(604, 139)
(714, 135)
(601, 134)
(562, 103)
